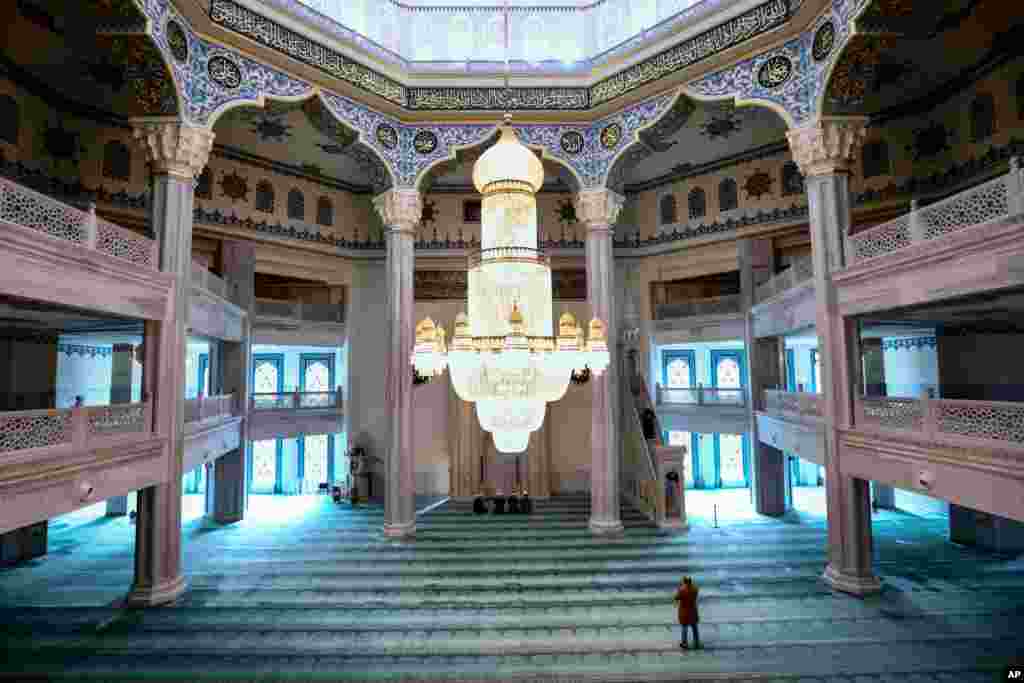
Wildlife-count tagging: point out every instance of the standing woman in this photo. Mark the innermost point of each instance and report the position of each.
(686, 596)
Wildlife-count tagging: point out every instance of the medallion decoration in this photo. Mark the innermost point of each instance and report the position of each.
(611, 135)
(758, 184)
(234, 187)
(386, 136)
(425, 142)
(775, 72)
(224, 72)
(824, 41)
(572, 142)
(177, 41)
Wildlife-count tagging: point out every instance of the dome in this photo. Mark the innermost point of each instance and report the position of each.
(509, 159)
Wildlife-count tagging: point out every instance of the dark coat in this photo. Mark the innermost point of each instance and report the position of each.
(479, 506)
(649, 425)
(686, 596)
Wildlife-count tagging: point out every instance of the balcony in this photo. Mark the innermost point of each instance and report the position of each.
(969, 243)
(967, 452)
(293, 323)
(702, 409)
(286, 415)
(785, 303)
(102, 266)
(791, 421)
(55, 461)
(698, 320)
(212, 313)
(211, 429)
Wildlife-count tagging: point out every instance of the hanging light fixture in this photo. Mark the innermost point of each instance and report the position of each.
(504, 355)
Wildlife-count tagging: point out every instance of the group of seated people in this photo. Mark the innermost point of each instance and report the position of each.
(496, 503)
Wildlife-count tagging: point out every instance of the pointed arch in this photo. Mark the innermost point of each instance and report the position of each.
(697, 203)
(324, 212)
(264, 196)
(668, 210)
(728, 195)
(117, 161)
(296, 205)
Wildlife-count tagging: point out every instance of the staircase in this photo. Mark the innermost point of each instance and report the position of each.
(324, 596)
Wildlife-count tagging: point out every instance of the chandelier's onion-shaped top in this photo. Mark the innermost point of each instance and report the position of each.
(507, 162)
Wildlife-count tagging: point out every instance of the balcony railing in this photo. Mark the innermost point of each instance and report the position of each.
(30, 209)
(792, 403)
(81, 428)
(209, 281)
(800, 271)
(297, 400)
(999, 198)
(207, 407)
(296, 310)
(700, 396)
(719, 305)
(951, 421)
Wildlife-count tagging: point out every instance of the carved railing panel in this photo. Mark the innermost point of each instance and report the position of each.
(792, 402)
(712, 396)
(34, 429)
(891, 413)
(999, 421)
(324, 313)
(206, 407)
(82, 428)
(990, 201)
(719, 305)
(30, 209)
(297, 400)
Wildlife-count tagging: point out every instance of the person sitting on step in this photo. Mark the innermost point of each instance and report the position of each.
(525, 504)
(480, 504)
(513, 504)
(499, 504)
(686, 596)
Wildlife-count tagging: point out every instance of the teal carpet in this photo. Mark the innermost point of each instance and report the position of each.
(308, 590)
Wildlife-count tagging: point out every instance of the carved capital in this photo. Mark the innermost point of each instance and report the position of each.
(400, 210)
(830, 144)
(598, 209)
(174, 147)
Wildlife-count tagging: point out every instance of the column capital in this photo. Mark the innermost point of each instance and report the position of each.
(827, 145)
(172, 146)
(400, 210)
(598, 209)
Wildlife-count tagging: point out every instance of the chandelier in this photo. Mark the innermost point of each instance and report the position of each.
(503, 355)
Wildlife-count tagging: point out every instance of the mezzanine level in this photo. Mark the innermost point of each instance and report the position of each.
(967, 452)
(702, 409)
(294, 323)
(282, 415)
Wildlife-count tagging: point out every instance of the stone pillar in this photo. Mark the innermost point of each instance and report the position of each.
(768, 467)
(826, 150)
(120, 392)
(177, 153)
(229, 477)
(400, 211)
(597, 210)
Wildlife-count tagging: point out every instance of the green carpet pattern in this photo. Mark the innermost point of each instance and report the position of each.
(322, 595)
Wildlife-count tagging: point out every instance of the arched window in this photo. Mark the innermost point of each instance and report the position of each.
(668, 210)
(10, 120)
(698, 203)
(983, 117)
(264, 465)
(324, 212)
(204, 184)
(117, 161)
(792, 180)
(876, 159)
(264, 197)
(728, 195)
(296, 205)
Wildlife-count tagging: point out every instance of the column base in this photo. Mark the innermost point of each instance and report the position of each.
(160, 594)
(849, 583)
(228, 519)
(406, 530)
(600, 527)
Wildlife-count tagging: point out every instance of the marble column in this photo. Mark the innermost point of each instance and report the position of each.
(229, 496)
(400, 211)
(177, 153)
(826, 151)
(120, 392)
(597, 210)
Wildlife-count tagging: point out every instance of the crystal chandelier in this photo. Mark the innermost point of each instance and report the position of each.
(503, 355)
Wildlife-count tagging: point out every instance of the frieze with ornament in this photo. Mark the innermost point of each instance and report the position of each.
(498, 99)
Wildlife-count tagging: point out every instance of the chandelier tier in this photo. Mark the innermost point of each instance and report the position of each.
(504, 355)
